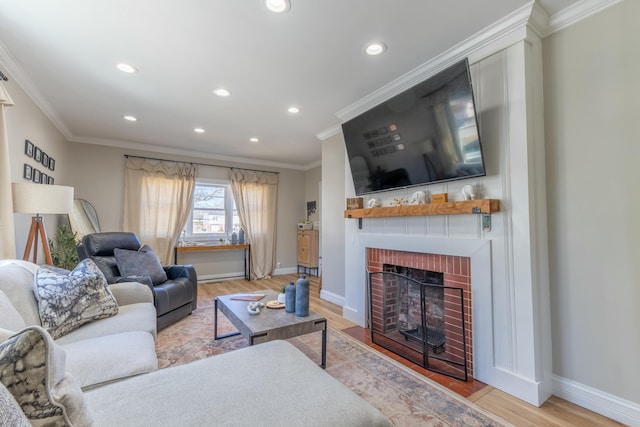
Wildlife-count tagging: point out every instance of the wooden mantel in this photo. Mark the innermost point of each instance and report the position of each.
(482, 206)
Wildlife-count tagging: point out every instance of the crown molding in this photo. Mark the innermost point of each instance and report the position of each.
(21, 78)
(187, 153)
(328, 133)
(576, 13)
(497, 36)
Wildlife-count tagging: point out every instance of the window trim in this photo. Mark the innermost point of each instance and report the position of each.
(188, 234)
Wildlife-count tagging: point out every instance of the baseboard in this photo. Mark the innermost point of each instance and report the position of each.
(331, 297)
(288, 270)
(220, 277)
(603, 403)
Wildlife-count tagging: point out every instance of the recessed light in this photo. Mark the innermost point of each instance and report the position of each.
(375, 48)
(278, 6)
(198, 130)
(126, 68)
(222, 92)
(254, 140)
(130, 118)
(293, 109)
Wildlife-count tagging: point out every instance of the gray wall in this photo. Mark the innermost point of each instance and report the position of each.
(591, 94)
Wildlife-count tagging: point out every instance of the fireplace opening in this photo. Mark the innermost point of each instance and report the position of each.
(413, 314)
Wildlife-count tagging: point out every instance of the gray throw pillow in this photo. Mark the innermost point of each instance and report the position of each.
(69, 299)
(32, 368)
(143, 262)
(10, 412)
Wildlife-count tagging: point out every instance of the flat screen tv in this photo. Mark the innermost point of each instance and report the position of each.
(424, 135)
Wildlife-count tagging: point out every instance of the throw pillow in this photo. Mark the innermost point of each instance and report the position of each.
(143, 262)
(69, 299)
(32, 368)
(11, 414)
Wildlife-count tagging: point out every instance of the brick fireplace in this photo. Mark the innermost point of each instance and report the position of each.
(456, 273)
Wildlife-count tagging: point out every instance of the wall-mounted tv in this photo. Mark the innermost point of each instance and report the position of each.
(424, 135)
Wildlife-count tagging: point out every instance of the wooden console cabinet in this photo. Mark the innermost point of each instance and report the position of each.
(308, 250)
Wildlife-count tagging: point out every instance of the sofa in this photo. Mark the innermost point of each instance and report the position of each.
(104, 350)
(269, 384)
(122, 257)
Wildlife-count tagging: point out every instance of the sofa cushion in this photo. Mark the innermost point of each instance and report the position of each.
(9, 317)
(10, 412)
(32, 368)
(70, 299)
(119, 356)
(16, 281)
(143, 262)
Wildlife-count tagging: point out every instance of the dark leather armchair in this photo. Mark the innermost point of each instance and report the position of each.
(174, 298)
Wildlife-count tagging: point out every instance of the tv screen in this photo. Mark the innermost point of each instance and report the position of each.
(424, 135)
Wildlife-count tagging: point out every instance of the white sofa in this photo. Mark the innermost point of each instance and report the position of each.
(101, 351)
(270, 384)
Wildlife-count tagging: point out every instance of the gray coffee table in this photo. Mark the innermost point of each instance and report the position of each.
(270, 324)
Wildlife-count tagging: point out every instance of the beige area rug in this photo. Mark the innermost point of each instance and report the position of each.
(405, 397)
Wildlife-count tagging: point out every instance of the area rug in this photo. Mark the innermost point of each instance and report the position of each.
(405, 397)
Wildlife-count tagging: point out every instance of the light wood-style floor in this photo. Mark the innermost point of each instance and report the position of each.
(554, 412)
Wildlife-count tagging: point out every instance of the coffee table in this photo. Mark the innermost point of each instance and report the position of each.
(270, 324)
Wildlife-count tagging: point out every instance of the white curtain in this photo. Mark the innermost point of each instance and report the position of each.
(157, 201)
(256, 195)
(7, 231)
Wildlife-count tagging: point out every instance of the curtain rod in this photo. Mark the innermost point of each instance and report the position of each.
(199, 164)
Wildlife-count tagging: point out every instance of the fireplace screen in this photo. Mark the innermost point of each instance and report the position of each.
(413, 314)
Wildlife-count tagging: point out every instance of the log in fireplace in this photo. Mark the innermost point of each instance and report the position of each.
(413, 314)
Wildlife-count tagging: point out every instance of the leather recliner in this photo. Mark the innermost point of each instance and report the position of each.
(174, 299)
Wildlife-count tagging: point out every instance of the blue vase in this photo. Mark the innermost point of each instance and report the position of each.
(241, 236)
(290, 298)
(302, 296)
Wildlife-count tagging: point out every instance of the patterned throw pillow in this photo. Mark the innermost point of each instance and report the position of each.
(32, 368)
(69, 299)
(143, 262)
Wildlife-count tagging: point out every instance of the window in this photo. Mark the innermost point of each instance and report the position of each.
(213, 213)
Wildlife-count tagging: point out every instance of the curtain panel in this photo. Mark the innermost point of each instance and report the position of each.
(157, 200)
(256, 196)
(7, 230)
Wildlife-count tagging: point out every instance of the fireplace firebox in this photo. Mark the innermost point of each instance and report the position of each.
(413, 314)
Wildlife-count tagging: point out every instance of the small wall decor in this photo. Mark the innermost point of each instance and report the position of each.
(44, 178)
(28, 148)
(36, 175)
(45, 159)
(373, 203)
(468, 192)
(50, 180)
(37, 154)
(418, 198)
(52, 164)
(28, 171)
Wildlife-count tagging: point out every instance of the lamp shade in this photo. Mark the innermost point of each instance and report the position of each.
(41, 199)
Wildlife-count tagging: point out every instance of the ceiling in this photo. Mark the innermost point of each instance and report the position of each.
(64, 53)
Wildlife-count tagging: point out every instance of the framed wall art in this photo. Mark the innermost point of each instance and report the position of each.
(28, 148)
(36, 175)
(50, 180)
(45, 159)
(37, 154)
(28, 171)
(44, 178)
(52, 164)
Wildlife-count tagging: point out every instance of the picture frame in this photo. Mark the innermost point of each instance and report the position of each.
(36, 175)
(51, 180)
(27, 172)
(44, 178)
(37, 154)
(28, 148)
(52, 164)
(45, 159)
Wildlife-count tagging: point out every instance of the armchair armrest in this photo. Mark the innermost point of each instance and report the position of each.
(176, 271)
(131, 293)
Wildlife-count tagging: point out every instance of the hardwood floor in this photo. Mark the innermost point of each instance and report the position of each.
(554, 412)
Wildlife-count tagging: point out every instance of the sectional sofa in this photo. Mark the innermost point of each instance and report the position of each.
(104, 372)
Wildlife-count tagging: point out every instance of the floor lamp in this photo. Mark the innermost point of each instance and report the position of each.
(40, 199)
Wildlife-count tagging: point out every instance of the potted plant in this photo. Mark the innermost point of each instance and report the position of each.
(63, 252)
(281, 295)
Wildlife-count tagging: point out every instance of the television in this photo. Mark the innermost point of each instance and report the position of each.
(424, 135)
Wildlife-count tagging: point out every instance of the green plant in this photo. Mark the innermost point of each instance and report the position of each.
(283, 288)
(63, 251)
